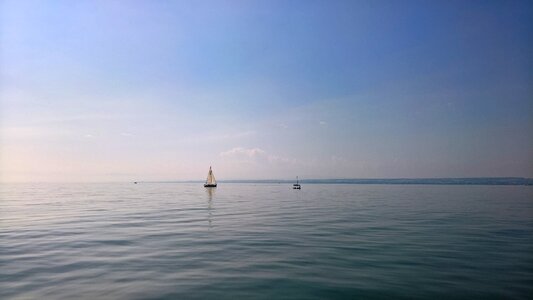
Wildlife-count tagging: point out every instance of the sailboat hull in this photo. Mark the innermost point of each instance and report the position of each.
(210, 185)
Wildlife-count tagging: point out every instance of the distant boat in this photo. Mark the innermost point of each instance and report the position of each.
(210, 181)
(296, 186)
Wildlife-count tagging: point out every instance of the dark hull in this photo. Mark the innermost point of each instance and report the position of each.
(210, 185)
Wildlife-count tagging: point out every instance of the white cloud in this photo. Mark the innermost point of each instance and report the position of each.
(323, 123)
(219, 137)
(256, 155)
(244, 152)
(32, 132)
(234, 135)
(337, 160)
(279, 159)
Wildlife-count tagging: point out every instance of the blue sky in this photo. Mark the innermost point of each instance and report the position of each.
(160, 90)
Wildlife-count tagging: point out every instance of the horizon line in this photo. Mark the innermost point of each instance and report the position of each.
(393, 180)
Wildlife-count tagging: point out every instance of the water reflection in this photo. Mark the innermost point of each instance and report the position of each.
(210, 193)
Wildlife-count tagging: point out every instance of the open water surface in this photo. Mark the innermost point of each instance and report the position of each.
(265, 241)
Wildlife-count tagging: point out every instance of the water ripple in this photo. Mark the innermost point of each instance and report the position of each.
(265, 241)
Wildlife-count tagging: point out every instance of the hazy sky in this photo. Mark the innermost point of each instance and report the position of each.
(161, 90)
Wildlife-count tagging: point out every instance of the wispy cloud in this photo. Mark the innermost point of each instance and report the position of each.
(65, 119)
(32, 132)
(234, 135)
(220, 137)
(244, 152)
(256, 155)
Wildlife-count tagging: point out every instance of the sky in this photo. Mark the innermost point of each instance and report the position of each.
(161, 90)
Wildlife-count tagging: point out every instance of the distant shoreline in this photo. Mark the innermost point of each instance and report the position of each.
(428, 181)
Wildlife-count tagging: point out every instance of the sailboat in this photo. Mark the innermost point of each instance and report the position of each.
(296, 186)
(210, 181)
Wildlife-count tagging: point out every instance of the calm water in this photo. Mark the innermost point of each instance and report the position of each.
(265, 241)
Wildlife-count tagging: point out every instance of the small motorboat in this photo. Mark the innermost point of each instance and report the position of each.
(296, 186)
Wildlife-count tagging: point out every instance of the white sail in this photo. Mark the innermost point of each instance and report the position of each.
(213, 180)
(210, 178)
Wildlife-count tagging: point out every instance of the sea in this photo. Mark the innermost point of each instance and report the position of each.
(265, 241)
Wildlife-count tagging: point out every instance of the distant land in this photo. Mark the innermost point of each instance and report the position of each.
(434, 181)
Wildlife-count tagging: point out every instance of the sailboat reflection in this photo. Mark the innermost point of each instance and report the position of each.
(210, 193)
